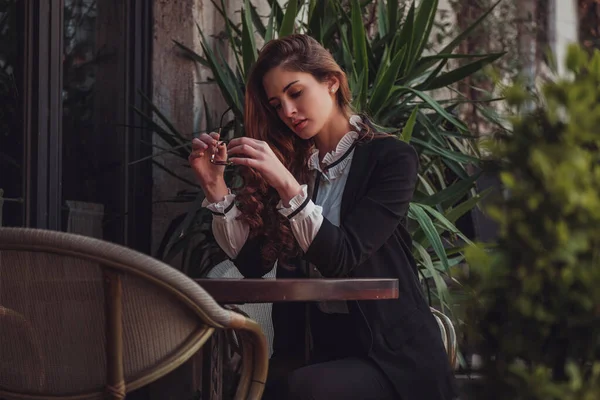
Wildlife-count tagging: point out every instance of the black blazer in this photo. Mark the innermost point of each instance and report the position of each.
(401, 336)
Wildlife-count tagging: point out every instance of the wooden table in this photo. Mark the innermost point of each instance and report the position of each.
(240, 291)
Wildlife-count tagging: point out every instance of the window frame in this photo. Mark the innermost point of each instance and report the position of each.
(42, 84)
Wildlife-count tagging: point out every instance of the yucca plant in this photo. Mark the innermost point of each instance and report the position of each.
(391, 77)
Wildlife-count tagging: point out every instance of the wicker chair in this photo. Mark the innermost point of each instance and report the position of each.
(82, 319)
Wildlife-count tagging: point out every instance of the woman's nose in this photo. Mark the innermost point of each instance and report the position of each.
(289, 109)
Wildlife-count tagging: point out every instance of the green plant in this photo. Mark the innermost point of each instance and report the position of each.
(536, 303)
(391, 76)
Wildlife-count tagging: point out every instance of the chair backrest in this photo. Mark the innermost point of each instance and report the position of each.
(80, 317)
(448, 335)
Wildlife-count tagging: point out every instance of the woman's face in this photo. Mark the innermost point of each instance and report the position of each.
(304, 104)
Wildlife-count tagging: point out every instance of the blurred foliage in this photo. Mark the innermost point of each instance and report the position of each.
(535, 299)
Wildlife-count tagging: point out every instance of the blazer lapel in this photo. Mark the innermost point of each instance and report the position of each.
(356, 177)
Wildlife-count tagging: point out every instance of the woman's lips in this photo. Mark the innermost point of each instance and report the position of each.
(300, 125)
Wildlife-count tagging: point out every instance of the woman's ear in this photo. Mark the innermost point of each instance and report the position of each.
(333, 83)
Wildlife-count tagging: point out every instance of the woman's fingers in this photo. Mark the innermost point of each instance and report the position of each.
(198, 149)
(195, 154)
(222, 151)
(219, 152)
(219, 149)
(248, 162)
(244, 150)
(249, 152)
(198, 144)
(203, 143)
(257, 144)
(206, 140)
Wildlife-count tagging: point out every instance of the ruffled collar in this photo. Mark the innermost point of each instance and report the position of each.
(340, 151)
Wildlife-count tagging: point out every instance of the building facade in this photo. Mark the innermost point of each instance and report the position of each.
(74, 74)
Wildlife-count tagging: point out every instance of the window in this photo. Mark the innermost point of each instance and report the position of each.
(83, 62)
(11, 140)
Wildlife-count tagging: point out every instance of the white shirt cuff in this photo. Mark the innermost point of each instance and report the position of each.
(222, 207)
(298, 204)
(229, 232)
(305, 217)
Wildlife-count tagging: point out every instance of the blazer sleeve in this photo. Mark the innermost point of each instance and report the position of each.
(249, 260)
(336, 251)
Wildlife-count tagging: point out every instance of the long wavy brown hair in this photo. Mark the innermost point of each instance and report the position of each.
(256, 199)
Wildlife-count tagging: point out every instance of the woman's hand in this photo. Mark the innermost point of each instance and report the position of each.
(258, 155)
(210, 175)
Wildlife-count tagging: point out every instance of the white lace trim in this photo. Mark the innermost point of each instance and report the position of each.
(220, 206)
(344, 144)
(295, 202)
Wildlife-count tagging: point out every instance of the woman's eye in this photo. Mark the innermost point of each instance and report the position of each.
(297, 94)
(276, 106)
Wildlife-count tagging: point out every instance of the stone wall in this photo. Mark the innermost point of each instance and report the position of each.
(176, 90)
(563, 28)
(177, 93)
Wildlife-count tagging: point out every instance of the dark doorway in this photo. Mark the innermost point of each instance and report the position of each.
(83, 63)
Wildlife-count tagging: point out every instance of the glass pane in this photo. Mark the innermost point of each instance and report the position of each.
(93, 146)
(11, 132)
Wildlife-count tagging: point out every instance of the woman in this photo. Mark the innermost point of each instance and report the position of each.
(324, 195)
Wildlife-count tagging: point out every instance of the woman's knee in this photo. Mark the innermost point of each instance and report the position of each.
(304, 385)
(346, 379)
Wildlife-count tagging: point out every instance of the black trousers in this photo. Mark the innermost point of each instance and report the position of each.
(345, 379)
(337, 369)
